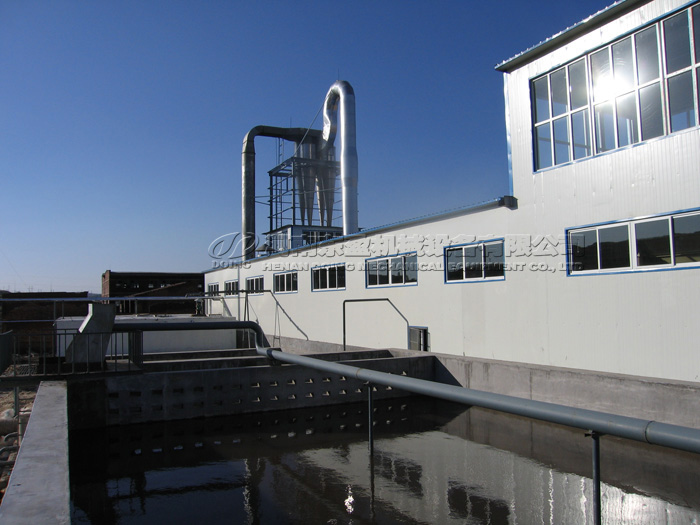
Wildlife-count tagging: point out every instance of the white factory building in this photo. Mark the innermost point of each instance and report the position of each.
(592, 263)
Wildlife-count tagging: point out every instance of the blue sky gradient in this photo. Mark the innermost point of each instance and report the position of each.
(121, 123)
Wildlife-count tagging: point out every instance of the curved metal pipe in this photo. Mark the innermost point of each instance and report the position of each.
(342, 92)
(248, 179)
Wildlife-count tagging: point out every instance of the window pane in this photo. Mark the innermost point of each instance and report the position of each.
(397, 270)
(677, 42)
(295, 285)
(383, 272)
(582, 134)
(653, 243)
(623, 68)
(341, 276)
(561, 140)
(544, 147)
(696, 32)
(473, 262)
(541, 99)
(601, 77)
(323, 273)
(584, 250)
(652, 116)
(681, 101)
(686, 238)
(332, 277)
(614, 247)
(647, 48)
(627, 120)
(372, 273)
(494, 260)
(604, 127)
(411, 268)
(317, 279)
(577, 83)
(455, 265)
(559, 92)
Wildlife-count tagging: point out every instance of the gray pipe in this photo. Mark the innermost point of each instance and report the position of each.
(342, 92)
(248, 178)
(646, 431)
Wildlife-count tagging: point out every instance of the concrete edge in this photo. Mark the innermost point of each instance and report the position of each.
(39, 487)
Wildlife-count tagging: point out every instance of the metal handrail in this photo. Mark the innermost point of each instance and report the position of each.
(646, 431)
(597, 423)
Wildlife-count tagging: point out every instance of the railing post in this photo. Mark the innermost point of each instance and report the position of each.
(595, 436)
(370, 419)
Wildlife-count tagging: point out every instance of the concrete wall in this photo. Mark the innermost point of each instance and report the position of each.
(38, 490)
(163, 396)
(660, 400)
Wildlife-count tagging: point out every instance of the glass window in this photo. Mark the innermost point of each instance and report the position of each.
(328, 277)
(341, 276)
(696, 32)
(652, 115)
(372, 273)
(541, 90)
(607, 247)
(544, 146)
(473, 265)
(627, 94)
(653, 242)
(677, 41)
(396, 265)
(601, 76)
(455, 264)
(494, 261)
(584, 250)
(559, 92)
(582, 134)
(476, 261)
(411, 268)
(623, 67)
(686, 238)
(561, 140)
(578, 85)
(627, 120)
(614, 247)
(604, 127)
(383, 272)
(681, 101)
(647, 48)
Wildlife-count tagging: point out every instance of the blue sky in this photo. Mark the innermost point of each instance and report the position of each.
(121, 122)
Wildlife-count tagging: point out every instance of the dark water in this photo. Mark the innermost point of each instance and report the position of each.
(433, 462)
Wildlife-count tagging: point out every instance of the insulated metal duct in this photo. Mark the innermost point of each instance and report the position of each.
(297, 135)
(340, 99)
(342, 92)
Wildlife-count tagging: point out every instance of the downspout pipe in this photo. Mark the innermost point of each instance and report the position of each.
(298, 135)
(341, 99)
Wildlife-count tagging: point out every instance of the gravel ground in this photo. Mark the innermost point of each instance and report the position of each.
(26, 398)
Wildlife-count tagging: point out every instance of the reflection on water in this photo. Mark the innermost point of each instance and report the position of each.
(433, 462)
